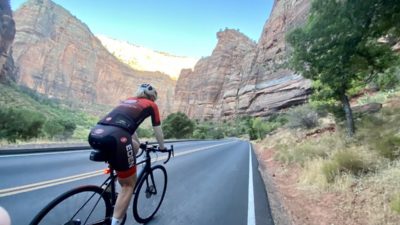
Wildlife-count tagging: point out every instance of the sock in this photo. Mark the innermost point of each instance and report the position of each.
(115, 221)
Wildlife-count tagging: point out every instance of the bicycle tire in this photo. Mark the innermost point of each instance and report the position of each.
(143, 200)
(92, 193)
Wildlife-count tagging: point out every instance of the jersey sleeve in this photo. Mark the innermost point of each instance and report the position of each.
(155, 116)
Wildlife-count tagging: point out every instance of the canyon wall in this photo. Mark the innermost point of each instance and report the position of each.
(246, 78)
(57, 55)
(7, 34)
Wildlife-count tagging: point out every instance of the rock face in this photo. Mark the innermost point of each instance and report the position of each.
(7, 34)
(200, 93)
(144, 59)
(58, 56)
(245, 78)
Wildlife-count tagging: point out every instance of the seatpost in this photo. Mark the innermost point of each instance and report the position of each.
(113, 192)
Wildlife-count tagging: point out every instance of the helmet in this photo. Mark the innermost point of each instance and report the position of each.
(147, 91)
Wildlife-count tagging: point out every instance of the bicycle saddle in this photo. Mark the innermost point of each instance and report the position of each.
(98, 156)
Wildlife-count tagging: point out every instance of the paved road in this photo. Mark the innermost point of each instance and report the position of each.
(209, 182)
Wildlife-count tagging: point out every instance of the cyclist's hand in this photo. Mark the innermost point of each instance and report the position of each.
(143, 145)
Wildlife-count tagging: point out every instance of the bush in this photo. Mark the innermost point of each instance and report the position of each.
(20, 124)
(258, 127)
(143, 132)
(303, 116)
(351, 162)
(388, 147)
(59, 128)
(208, 131)
(389, 79)
(178, 125)
(380, 131)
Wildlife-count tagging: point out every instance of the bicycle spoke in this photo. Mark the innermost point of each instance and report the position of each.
(148, 199)
(91, 210)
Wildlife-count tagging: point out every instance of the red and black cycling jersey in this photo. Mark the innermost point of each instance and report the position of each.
(131, 113)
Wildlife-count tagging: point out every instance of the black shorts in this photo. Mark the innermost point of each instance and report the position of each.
(116, 143)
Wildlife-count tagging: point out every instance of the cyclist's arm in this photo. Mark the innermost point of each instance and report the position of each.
(159, 136)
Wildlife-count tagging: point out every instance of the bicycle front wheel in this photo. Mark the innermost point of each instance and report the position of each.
(80, 206)
(149, 194)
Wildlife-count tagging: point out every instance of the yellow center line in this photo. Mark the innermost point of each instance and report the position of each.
(49, 183)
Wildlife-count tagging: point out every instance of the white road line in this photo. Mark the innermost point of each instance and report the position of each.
(50, 183)
(251, 217)
(192, 151)
(43, 153)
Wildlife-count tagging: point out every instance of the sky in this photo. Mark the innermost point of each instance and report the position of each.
(178, 27)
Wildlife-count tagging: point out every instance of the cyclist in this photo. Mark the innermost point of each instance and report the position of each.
(115, 134)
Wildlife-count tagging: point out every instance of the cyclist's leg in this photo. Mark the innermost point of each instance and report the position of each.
(124, 197)
(123, 161)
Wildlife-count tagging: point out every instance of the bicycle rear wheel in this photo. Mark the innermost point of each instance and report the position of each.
(80, 206)
(149, 194)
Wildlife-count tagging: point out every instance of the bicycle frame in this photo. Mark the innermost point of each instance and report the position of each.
(109, 183)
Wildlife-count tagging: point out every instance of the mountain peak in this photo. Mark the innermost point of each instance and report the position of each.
(145, 59)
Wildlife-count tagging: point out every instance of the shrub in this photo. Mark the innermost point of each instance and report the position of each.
(389, 79)
(303, 116)
(144, 132)
(388, 146)
(208, 131)
(380, 131)
(395, 203)
(178, 125)
(59, 128)
(20, 124)
(351, 162)
(258, 127)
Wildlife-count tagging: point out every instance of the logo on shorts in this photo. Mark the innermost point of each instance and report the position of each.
(109, 118)
(131, 155)
(98, 131)
(123, 139)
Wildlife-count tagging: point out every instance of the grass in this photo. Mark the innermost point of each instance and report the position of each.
(365, 169)
(379, 97)
(395, 203)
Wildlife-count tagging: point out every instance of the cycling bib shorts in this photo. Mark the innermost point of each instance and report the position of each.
(116, 143)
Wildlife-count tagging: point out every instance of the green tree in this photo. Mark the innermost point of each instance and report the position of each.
(338, 48)
(177, 125)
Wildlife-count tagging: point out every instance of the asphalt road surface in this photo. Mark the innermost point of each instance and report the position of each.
(209, 183)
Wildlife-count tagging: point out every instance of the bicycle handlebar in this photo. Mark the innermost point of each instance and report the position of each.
(155, 148)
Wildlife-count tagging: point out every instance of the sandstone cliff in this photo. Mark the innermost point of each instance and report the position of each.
(200, 93)
(7, 33)
(244, 78)
(145, 59)
(58, 55)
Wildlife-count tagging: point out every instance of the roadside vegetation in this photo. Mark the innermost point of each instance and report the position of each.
(364, 168)
(346, 141)
(28, 116)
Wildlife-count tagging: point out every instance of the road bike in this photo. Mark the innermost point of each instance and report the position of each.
(94, 205)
